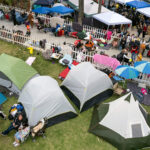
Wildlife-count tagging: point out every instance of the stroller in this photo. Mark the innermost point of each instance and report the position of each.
(39, 129)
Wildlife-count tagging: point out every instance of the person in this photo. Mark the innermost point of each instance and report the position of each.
(123, 43)
(19, 120)
(21, 135)
(134, 53)
(13, 14)
(144, 30)
(28, 33)
(30, 19)
(139, 57)
(89, 45)
(139, 29)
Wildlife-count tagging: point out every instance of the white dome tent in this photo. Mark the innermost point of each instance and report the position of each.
(43, 98)
(86, 86)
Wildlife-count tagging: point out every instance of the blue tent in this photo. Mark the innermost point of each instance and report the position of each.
(42, 10)
(44, 2)
(61, 10)
(138, 4)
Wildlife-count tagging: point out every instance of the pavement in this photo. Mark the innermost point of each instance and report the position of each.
(50, 38)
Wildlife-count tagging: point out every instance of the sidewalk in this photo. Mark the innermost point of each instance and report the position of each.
(50, 38)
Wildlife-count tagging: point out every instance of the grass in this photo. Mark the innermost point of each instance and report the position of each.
(69, 135)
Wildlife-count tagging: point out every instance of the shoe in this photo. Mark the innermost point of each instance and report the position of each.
(3, 134)
(16, 145)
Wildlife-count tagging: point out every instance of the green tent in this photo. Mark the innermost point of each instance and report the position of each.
(124, 123)
(15, 70)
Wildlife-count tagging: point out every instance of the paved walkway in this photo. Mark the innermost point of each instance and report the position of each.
(39, 35)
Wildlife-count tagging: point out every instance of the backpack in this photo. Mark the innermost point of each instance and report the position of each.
(14, 110)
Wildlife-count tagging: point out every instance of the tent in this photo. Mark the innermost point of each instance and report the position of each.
(61, 10)
(124, 123)
(123, 1)
(90, 7)
(86, 86)
(14, 73)
(43, 98)
(112, 18)
(44, 2)
(56, 20)
(58, 4)
(138, 4)
(144, 11)
(42, 10)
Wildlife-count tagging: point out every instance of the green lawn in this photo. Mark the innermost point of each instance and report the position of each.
(69, 135)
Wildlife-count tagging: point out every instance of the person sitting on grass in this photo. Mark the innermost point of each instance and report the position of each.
(21, 135)
(19, 120)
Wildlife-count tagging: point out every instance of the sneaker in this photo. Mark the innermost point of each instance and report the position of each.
(16, 145)
(3, 134)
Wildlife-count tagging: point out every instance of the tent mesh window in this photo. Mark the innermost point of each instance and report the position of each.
(136, 130)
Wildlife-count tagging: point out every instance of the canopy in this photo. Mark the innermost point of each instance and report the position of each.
(123, 122)
(138, 4)
(61, 10)
(112, 18)
(42, 10)
(16, 70)
(90, 7)
(43, 98)
(123, 1)
(144, 11)
(44, 2)
(87, 85)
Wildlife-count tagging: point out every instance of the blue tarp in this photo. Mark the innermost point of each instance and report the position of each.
(44, 2)
(61, 10)
(42, 10)
(138, 4)
(2, 98)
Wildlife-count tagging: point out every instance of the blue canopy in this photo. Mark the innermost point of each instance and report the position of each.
(44, 2)
(61, 10)
(42, 10)
(138, 4)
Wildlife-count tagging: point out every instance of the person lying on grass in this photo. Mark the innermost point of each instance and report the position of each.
(21, 135)
(19, 120)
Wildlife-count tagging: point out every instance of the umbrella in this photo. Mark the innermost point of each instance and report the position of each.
(106, 61)
(142, 66)
(127, 72)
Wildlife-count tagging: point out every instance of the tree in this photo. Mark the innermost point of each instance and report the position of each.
(99, 6)
(81, 11)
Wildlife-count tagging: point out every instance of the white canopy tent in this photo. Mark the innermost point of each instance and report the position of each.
(112, 18)
(90, 7)
(126, 118)
(144, 11)
(122, 1)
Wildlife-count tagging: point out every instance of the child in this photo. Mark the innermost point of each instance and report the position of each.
(20, 135)
(28, 33)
